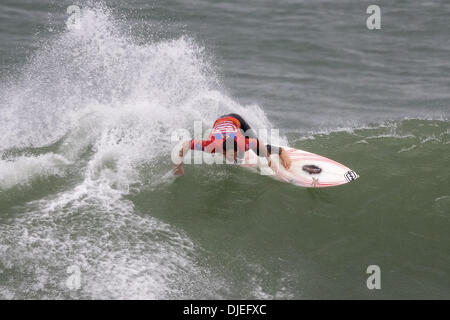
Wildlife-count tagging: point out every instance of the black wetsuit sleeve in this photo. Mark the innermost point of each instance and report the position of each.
(273, 149)
(270, 149)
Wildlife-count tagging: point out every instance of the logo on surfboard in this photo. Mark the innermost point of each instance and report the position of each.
(350, 175)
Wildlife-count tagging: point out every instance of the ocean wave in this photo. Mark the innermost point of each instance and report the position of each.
(106, 107)
(96, 88)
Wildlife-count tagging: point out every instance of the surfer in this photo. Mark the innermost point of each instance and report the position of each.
(231, 135)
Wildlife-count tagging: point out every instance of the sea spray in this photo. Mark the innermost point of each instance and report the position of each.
(93, 99)
(93, 87)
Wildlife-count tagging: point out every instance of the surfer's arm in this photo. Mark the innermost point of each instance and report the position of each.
(282, 153)
(193, 145)
(184, 149)
(263, 150)
(260, 149)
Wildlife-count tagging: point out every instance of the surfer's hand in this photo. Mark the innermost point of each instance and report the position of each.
(285, 159)
(179, 170)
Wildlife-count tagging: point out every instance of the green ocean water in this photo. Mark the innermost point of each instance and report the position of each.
(86, 118)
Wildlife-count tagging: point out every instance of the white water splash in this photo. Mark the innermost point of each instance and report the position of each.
(108, 105)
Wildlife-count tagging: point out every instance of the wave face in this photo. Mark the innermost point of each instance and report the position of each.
(87, 122)
(85, 128)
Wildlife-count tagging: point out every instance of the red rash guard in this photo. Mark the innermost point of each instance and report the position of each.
(223, 128)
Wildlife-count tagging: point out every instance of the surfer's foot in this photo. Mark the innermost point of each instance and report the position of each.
(312, 169)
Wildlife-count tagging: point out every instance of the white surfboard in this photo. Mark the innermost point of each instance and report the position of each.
(329, 172)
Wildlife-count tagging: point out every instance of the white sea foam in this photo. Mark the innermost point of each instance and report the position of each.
(407, 149)
(121, 255)
(95, 87)
(24, 168)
